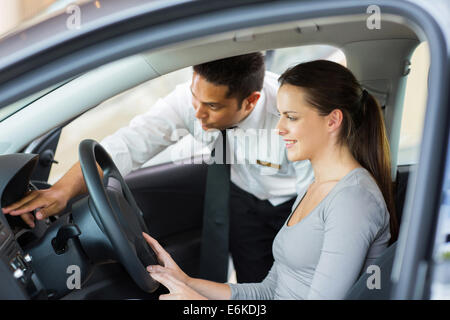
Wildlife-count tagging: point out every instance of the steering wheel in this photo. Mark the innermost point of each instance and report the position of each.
(118, 216)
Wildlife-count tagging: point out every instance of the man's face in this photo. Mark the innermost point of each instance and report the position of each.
(212, 108)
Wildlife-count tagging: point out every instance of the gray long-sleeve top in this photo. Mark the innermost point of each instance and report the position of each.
(323, 255)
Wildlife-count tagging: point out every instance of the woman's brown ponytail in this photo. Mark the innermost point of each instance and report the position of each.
(370, 147)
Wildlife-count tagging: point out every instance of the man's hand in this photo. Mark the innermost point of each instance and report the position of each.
(50, 201)
(47, 202)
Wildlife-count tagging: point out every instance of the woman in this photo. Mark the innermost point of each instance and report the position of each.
(343, 220)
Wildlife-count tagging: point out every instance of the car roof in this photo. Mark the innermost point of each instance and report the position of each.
(54, 30)
(26, 51)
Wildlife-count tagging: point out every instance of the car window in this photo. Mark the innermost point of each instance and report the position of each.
(279, 60)
(414, 106)
(117, 112)
(415, 92)
(109, 116)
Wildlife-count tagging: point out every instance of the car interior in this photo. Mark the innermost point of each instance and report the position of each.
(378, 58)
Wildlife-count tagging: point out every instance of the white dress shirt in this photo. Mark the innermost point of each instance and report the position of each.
(259, 164)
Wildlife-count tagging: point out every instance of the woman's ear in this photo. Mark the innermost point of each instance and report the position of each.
(335, 118)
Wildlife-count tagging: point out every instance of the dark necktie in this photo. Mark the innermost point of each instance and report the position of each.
(214, 247)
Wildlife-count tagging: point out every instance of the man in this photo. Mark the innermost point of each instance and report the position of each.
(233, 92)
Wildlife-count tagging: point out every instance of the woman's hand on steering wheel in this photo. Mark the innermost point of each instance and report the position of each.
(170, 274)
(167, 264)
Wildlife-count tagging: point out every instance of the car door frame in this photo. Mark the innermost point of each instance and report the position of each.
(187, 21)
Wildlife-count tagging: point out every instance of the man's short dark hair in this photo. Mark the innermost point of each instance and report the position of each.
(242, 74)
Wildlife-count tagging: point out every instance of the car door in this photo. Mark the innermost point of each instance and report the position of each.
(169, 26)
(438, 283)
(413, 268)
(171, 196)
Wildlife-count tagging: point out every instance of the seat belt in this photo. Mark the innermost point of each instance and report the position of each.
(215, 230)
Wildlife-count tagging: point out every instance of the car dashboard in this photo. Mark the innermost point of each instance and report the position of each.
(17, 277)
(36, 263)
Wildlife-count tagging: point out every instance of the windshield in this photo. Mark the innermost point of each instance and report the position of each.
(20, 17)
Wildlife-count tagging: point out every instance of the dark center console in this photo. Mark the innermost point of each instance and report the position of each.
(17, 279)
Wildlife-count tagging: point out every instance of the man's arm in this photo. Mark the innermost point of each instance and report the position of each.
(129, 147)
(148, 134)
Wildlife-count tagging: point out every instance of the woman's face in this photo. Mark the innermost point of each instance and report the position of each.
(302, 128)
